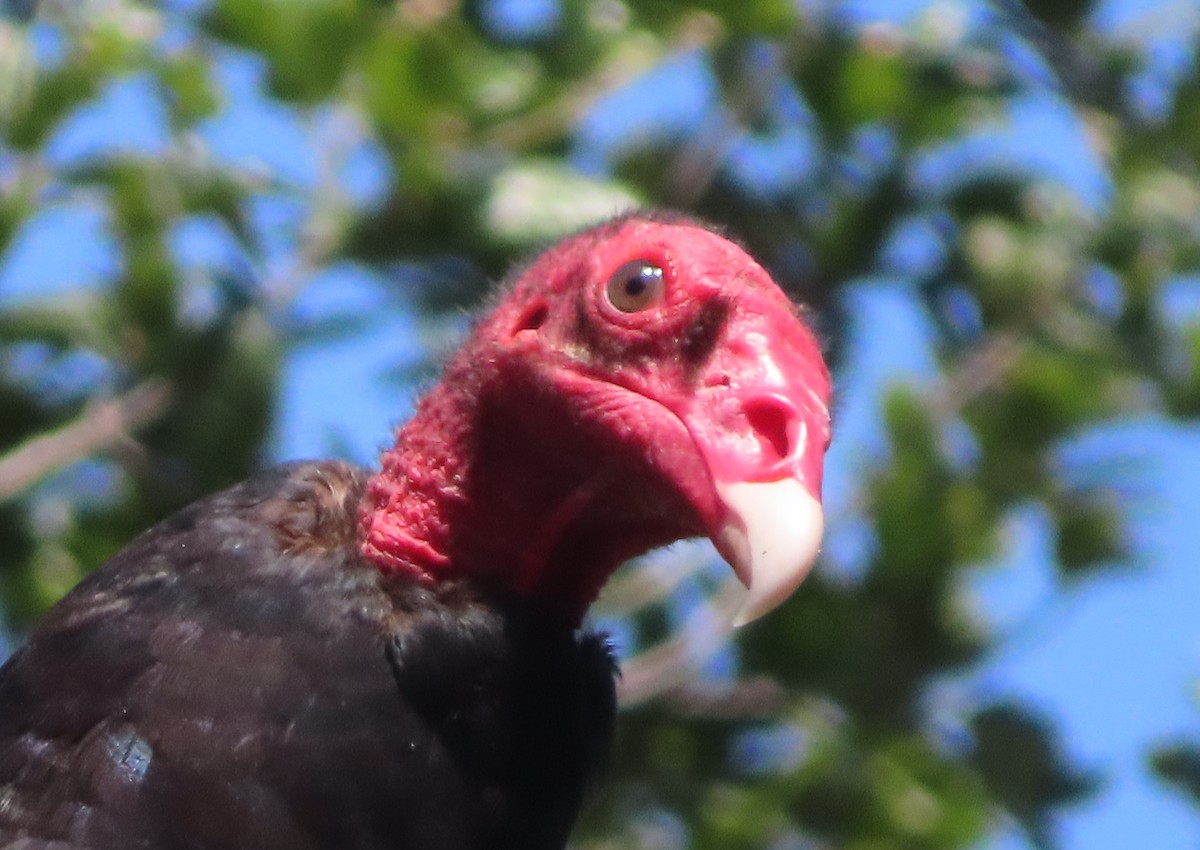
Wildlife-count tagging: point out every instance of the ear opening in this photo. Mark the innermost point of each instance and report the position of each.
(532, 318)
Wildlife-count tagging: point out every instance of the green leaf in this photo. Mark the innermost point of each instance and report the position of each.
(1090, 533)
(1179, 765)
(193, 95)
(1025, 769)
(536, 201)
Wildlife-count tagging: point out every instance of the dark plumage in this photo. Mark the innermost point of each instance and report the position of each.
(211, 637)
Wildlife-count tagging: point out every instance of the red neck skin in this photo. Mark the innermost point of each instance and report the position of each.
(476, 488)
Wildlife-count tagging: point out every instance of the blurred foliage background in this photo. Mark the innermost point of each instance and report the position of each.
(203, 201)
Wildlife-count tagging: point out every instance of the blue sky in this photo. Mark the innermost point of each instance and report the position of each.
(1115, 661)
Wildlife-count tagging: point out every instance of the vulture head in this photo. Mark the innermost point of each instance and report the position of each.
(641, 382)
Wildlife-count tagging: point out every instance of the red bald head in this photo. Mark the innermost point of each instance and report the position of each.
(638, 383)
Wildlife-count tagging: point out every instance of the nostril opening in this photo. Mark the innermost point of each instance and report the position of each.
(531, 319)
(771, 421)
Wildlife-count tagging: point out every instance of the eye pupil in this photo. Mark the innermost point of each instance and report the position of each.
(635, 286)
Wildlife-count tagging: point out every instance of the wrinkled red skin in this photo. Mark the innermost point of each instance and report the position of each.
(713, 381)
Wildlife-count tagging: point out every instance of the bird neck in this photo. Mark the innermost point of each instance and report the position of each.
(411, 503)
(474, 490)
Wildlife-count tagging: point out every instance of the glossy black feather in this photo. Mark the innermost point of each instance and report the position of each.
(239, 678)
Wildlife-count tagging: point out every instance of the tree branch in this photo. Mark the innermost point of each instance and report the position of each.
(101, 425)
(672, 663)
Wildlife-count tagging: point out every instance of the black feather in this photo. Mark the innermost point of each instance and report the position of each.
(239, 678)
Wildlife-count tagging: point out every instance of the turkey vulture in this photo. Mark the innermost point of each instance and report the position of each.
(325, 657)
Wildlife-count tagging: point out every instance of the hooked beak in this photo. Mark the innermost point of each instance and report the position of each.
(771, 538)
(762, 425)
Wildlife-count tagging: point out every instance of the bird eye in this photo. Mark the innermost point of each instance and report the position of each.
(635, 286)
